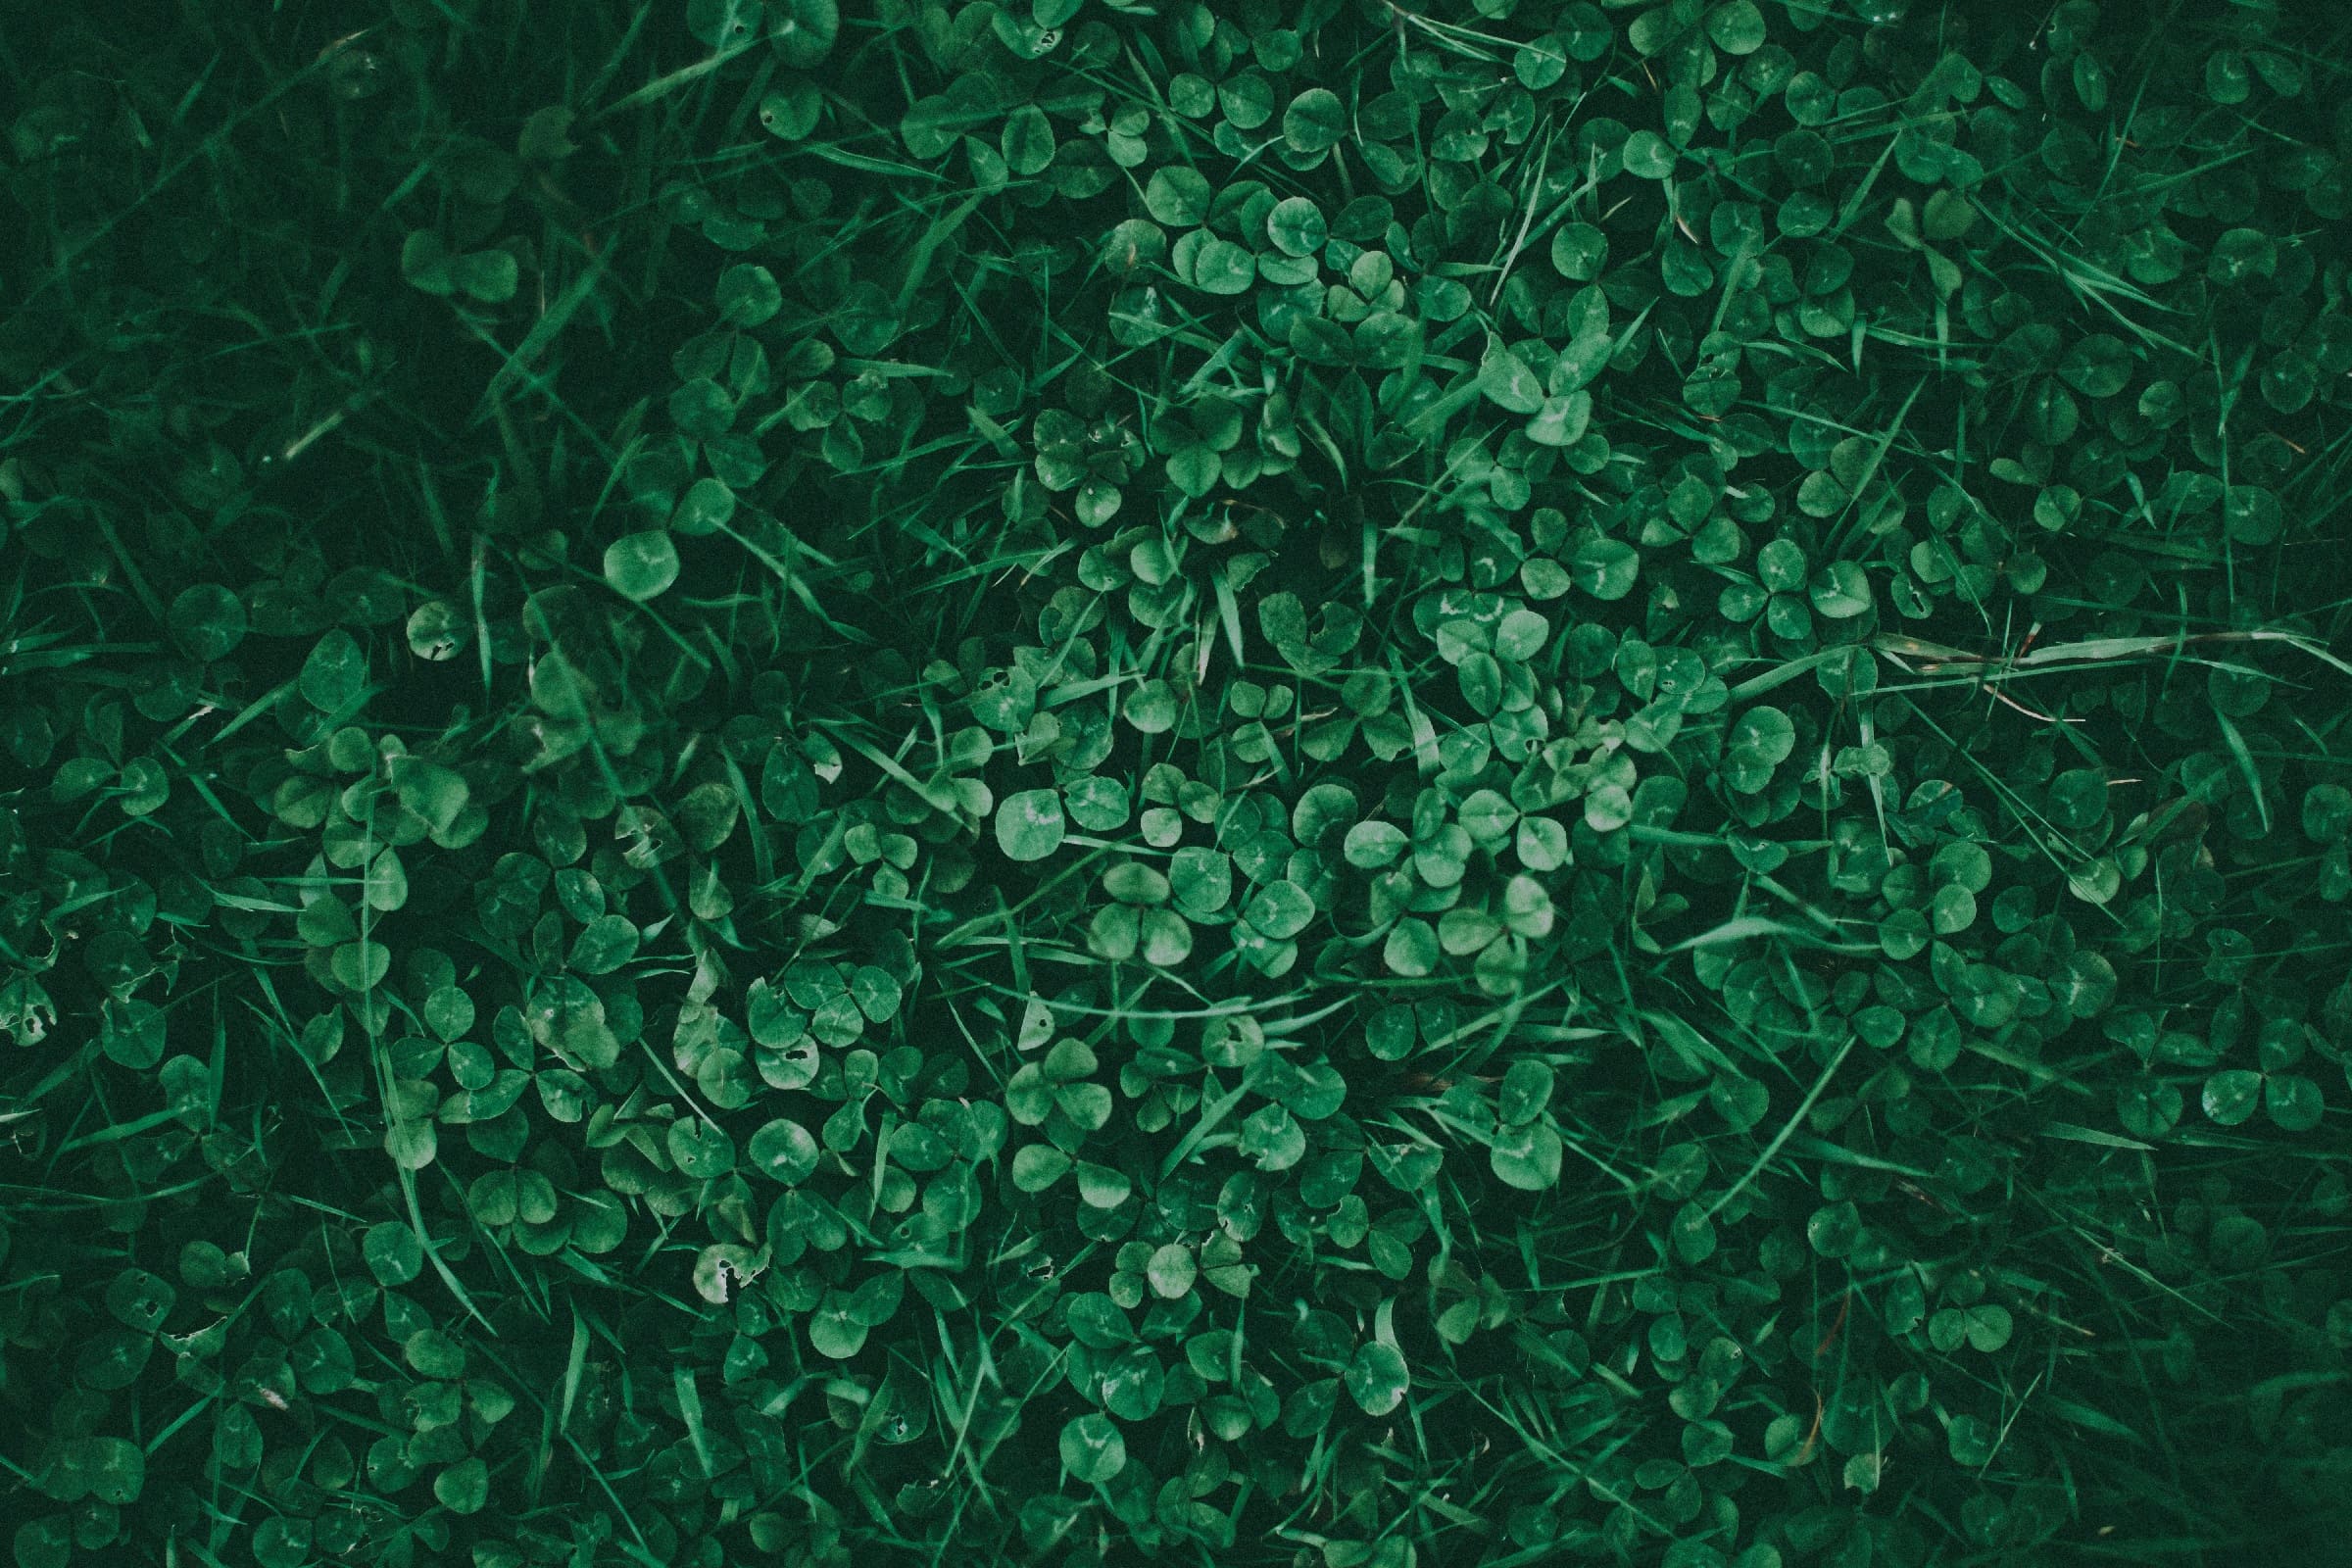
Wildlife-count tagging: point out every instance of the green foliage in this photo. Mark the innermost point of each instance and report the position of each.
(1054, 783)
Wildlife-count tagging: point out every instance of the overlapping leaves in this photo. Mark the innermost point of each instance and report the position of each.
(1485, 785)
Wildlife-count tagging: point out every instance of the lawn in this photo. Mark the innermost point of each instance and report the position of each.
(1321, 785)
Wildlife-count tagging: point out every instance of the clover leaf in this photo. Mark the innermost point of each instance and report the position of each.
(1030, 824)
(1092, 1450)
